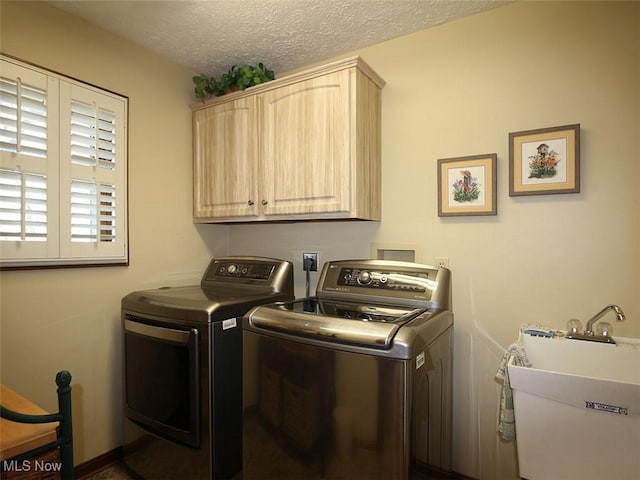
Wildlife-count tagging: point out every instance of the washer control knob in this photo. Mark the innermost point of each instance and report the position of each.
(232, 269)
(364, 277)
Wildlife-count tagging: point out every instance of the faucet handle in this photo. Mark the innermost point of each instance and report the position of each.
(574, 326)
(604, 329)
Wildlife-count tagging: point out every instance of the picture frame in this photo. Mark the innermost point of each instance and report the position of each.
(544, 161)
(467, 185)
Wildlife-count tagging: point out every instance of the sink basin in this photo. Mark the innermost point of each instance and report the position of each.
(577, 409)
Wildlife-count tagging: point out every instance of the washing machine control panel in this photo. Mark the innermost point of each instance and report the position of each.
(385, 279)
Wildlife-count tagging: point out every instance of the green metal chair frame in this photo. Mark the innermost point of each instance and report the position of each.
(65, 432)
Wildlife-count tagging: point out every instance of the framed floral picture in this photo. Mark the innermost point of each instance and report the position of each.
(467, 186)
(544, 161)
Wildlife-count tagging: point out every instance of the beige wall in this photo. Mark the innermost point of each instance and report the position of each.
(454, 90)
(69, 319)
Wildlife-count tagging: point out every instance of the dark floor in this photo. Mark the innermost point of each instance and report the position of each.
(118, 472)
(113, 472)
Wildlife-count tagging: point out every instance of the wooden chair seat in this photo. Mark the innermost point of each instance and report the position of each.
(34, 444)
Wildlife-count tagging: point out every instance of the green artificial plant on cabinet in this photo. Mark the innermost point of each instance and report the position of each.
(236, 78)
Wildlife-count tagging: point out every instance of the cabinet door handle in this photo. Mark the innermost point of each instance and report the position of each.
(264, 202)
(250, 202)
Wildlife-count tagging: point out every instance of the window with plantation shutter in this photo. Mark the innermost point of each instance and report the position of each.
(63, 170)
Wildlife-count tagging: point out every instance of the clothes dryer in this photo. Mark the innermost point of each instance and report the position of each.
(183, 368)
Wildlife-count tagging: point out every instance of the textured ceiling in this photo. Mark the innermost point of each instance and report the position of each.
(210, 36)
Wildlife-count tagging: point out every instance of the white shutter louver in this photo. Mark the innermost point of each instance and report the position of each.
(107, 213)
(93, 210)
(23, 118)
(93, 136)
(23, 206)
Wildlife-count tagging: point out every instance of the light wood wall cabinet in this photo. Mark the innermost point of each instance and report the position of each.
(302, 147)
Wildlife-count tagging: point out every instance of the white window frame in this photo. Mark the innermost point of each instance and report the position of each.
(82, 229)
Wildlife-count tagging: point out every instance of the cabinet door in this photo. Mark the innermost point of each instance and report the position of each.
(306, 147)
(225, 156)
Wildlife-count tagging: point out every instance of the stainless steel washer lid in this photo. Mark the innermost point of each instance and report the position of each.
(386, 308)
(372, 326)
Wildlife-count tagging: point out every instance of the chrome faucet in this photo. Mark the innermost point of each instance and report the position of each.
(589, 334)
(619, 317)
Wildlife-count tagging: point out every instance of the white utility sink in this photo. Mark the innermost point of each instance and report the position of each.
(577, 409)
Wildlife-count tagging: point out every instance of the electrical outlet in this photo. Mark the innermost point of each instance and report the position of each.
(310, 262)
(442, 262)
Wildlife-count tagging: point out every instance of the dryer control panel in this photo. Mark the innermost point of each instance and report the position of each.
(245, 270)
(272, 274)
